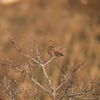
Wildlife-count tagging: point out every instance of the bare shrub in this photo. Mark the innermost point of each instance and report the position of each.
(20, 82)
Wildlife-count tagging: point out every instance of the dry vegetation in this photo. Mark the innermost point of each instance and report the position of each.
(24, 82)
(70, 24)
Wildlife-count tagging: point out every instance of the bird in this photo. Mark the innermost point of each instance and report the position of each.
(52, 50)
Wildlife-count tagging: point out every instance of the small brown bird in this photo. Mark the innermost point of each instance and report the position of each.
(52, 50)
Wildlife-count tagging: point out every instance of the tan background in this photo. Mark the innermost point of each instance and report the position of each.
(71, 24)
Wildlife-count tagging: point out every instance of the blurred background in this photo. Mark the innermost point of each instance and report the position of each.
(70, 24)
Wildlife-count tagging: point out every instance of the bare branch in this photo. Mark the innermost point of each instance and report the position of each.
(35, 81)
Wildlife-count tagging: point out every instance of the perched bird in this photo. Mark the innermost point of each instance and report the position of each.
(52, 50)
